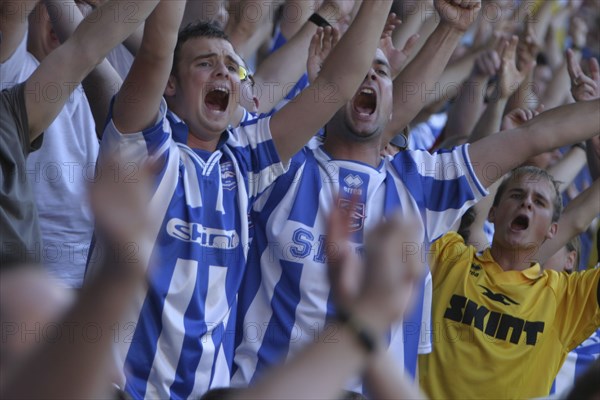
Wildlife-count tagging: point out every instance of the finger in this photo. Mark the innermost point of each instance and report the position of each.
(527, 67)
(392, 17)
(540, 109)
(496, 61)
(586, 80)
(573, 66)
(473, 4)
(315, 42)
(337, 234)
(520, 114)
(595, 69)
(335, 37)
(389, 25)
(327, 38)
(510, 51)
(491, 65)
(411, 43)
(588, 89)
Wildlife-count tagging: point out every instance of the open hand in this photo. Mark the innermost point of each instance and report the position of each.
(583, 87)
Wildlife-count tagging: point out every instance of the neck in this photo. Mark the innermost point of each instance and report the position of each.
(343, 147)
(196, 143)
(510, 258)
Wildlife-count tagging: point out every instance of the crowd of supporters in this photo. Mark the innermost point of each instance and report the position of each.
(226, 199)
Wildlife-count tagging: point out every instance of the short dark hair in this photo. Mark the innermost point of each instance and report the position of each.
(535, 173)
(197, 29)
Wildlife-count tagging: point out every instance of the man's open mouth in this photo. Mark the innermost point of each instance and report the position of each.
(365, 102)
(217, 99)
(520, 223)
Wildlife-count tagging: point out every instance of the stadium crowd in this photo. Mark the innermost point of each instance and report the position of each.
(328, 199)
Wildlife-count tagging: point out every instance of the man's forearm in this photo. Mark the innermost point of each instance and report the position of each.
(422, 73)
(490, 121)
(467, 108)
(13, 24)
(550, 130)
(101, 31)
(561, 126)
(75, 366)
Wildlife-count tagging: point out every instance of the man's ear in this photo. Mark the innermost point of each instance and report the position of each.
(171, 90)
(552, 230)
(571, 258)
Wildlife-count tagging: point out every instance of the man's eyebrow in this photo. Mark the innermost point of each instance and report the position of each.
(233, 59)
(381, 61)
(541, 195)
(204, 55)
(213, 55)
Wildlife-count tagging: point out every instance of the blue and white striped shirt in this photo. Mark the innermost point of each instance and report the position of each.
(577, 362)
(178, 341)
(285, 300)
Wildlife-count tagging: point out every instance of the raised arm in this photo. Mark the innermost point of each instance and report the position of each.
(137, 103)
(509, 80)
(568, 167)
(495, 155)
(576, 218)
(206, 10)
(71, 366)
(13, 24)
(288, 63)
(592, 150)
(102, 30)
(423, 71)
(336, 84)
(102, 82)
(552, 129)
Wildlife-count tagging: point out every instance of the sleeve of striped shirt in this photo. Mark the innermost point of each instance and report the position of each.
(136, 148)
(444, 185)
(254, 147)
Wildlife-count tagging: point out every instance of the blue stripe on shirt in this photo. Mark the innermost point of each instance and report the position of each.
(286, 298)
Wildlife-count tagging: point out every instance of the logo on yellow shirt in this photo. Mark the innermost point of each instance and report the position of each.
(499, 297)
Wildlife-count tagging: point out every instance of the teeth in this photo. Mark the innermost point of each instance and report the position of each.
(367, 91)
(219, 89)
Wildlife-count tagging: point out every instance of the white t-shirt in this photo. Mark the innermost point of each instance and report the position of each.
(59, 174)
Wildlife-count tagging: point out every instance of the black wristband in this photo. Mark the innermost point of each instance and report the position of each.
(365, 337)
(319, 21)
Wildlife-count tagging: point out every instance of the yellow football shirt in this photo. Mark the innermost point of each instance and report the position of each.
(501, 334)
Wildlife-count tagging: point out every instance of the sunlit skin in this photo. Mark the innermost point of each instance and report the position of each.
(523, 221)
(41, 38)
(29, 300)
(562, 261)
(206, 65)
(357, 122)
(542, 76)
(544, 160)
